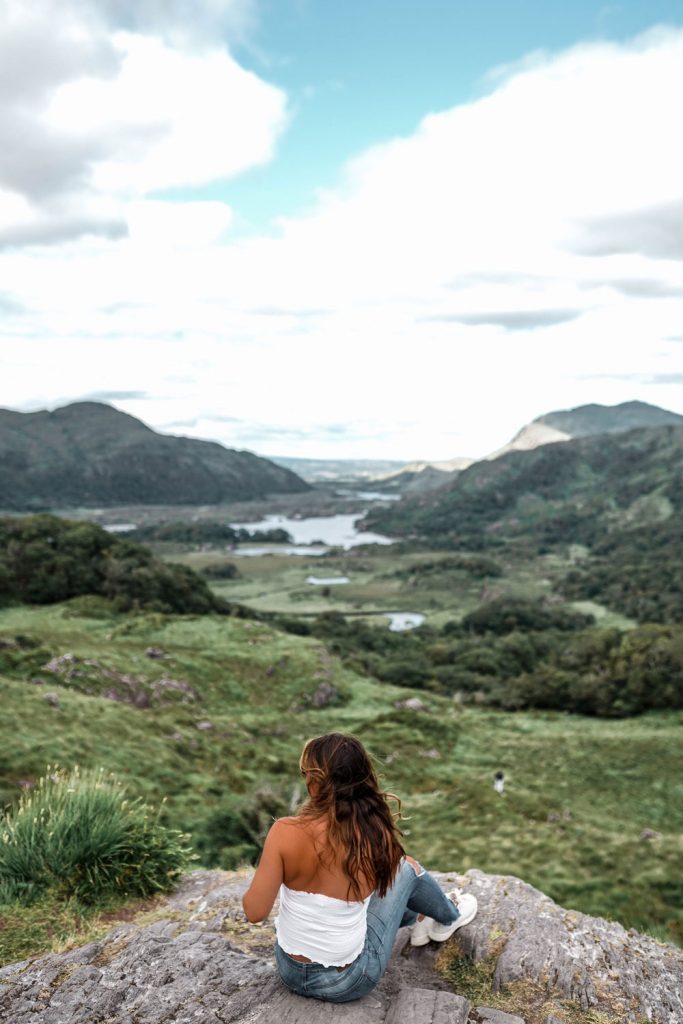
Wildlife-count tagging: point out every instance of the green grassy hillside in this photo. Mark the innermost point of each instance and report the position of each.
(574, 491)
(221, 744)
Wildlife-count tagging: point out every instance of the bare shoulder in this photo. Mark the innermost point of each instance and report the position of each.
(288, 830)
(292, 834)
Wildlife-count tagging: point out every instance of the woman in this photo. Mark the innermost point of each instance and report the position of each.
(345, 883)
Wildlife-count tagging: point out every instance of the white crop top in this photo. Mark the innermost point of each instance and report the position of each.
(326, 930)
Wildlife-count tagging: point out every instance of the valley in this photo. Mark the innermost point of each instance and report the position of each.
(591, 812)
(520, 618)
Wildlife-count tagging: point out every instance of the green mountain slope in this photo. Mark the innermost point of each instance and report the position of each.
(90, 454)
(573, 491)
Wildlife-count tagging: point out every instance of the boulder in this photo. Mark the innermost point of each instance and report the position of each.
(193, 958)
(325, 694)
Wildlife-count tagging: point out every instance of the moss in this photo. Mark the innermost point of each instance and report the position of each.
(529, 999)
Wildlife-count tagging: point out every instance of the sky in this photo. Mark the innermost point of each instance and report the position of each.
(372, 229)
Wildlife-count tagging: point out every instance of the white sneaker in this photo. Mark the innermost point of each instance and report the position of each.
(466, 904)
(419, 932)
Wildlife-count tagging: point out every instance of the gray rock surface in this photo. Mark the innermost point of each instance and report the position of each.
(487, 1015)
(193, 959)
(595, 962)
(418, 1004)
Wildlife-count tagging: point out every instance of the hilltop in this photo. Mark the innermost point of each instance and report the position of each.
(88, 454)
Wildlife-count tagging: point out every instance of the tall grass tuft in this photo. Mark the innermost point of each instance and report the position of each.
(77, 835)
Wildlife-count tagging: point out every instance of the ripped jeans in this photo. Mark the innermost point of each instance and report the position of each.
(409, 896)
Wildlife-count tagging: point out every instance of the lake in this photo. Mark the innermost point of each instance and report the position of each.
(328, 531)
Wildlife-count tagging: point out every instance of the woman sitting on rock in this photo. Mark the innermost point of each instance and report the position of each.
(345, 883)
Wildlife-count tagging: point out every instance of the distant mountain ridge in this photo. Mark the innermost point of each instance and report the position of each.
(552, 427)
(574, 491)
(608, 419)
(585, 421)
(90, 454)
(320, 470)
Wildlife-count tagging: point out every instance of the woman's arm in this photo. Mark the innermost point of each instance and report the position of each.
(259, 898)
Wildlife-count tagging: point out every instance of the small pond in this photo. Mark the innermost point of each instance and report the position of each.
(329, 581)
(400, 621)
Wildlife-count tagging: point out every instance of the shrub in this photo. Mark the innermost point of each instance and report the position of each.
(220, 571)
(44, 559)
(508, 614)
(208, 532)
(234, 833)
(78, 835)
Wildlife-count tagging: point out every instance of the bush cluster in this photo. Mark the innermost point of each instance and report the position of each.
(518, 654)
(234, 833)
(637, 572)
(505, 615)
(78, 835)
(476, 566)
(44, 559)
(606, 672)
(208, 532)
(220, 571)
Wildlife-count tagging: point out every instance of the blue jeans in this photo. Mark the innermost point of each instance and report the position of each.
(409, 896)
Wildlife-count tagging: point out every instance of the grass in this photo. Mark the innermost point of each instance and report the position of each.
(579, 791)
(380, 581)
(529, 999)
(56, 924)
(78, 834)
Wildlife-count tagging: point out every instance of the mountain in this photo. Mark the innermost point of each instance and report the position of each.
(573, 491)
(608, 419)
(417, 477)
(413, 479)
(319, 470)
(585, 421)
(90, 454)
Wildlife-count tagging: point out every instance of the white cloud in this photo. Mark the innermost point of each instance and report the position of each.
(153, 224)
(438, 297)
(170, 118)
(91, 119)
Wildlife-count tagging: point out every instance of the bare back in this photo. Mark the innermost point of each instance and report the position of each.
(309, 862)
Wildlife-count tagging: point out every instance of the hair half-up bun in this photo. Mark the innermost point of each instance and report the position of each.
(361, 827)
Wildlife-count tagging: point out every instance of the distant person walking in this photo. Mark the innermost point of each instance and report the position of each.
(345, 883)
(499, 782)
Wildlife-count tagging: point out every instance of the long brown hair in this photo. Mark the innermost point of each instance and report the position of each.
(361, 827)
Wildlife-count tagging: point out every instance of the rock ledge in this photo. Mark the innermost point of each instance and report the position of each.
(195, 960)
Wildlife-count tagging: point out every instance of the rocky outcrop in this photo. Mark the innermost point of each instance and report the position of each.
(90, 676)
(193, 959)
